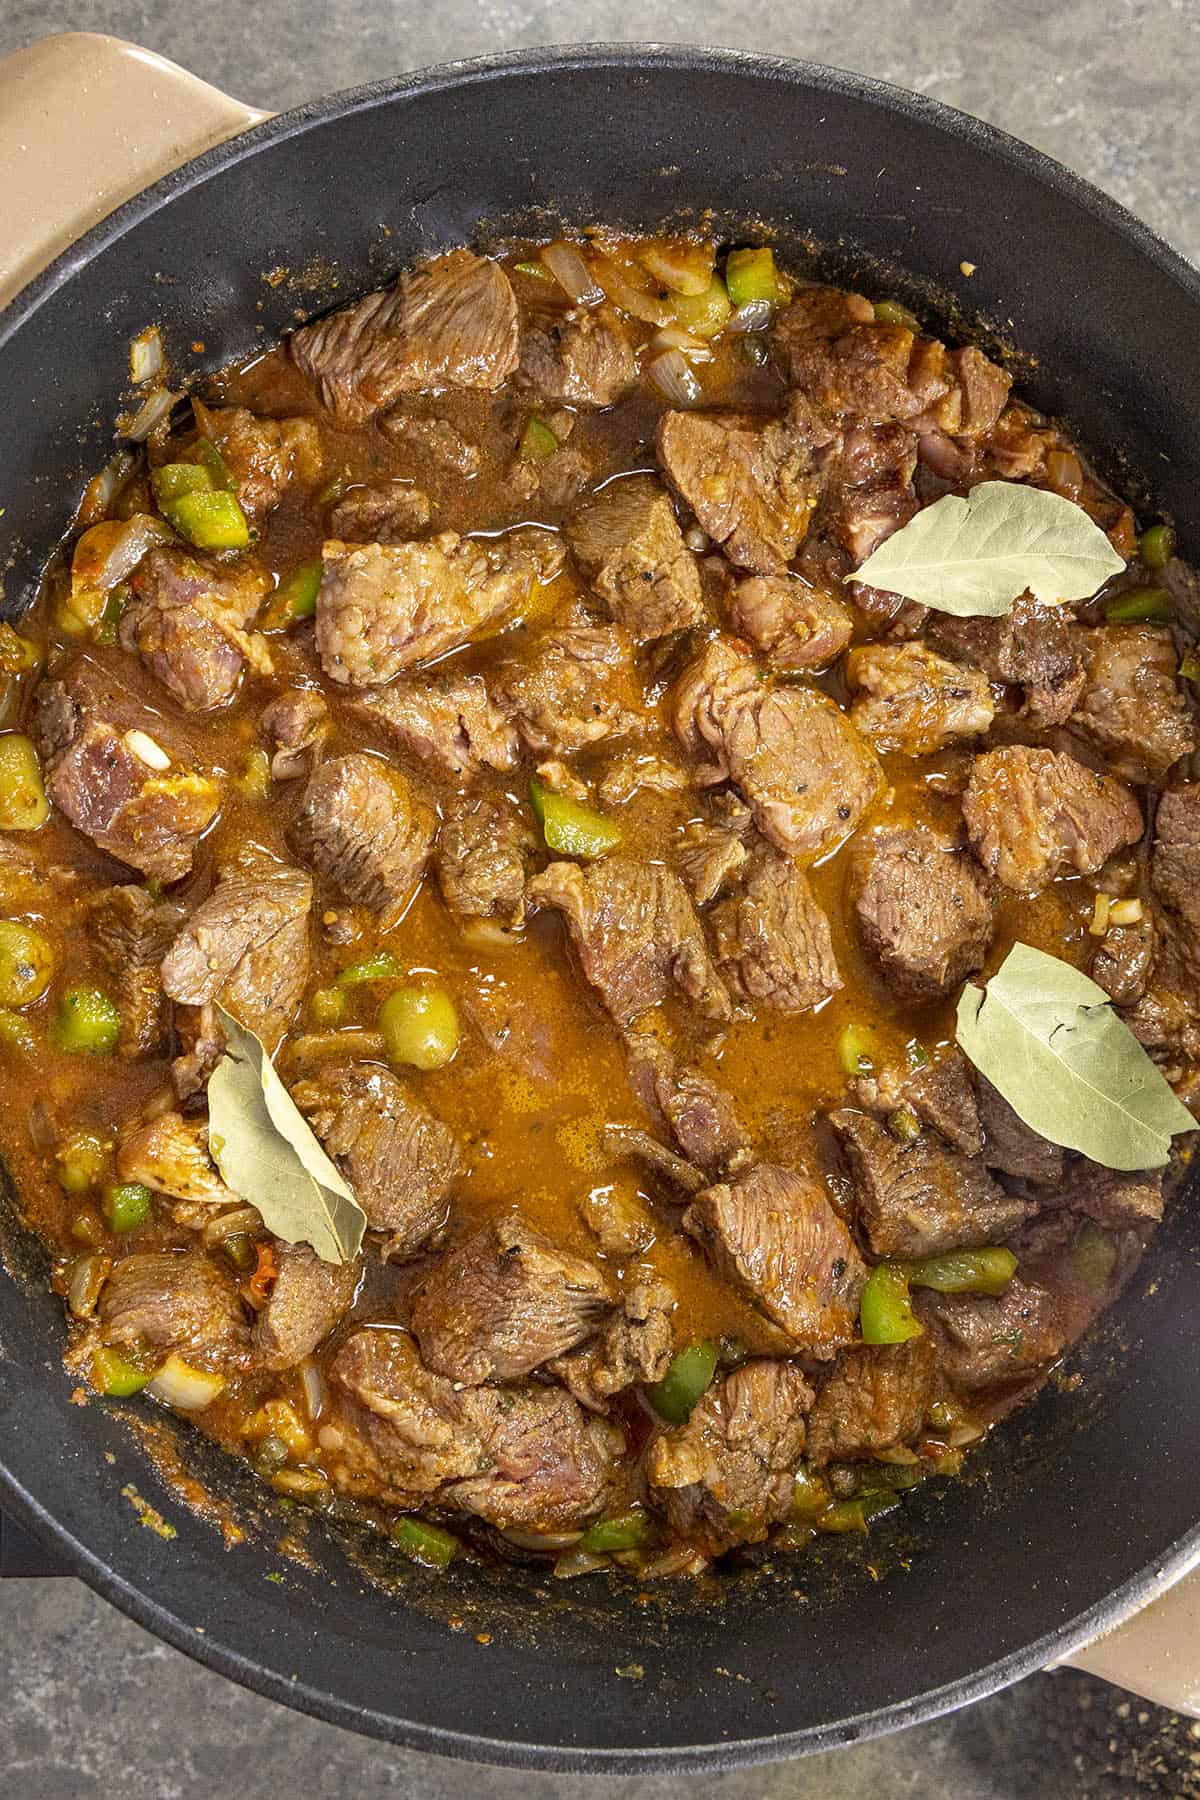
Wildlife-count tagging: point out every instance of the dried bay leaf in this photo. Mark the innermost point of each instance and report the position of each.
(267, 1153)
(1049, 1039)
(974, 557)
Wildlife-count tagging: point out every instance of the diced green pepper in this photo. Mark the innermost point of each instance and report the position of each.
(810, 1493)
(704, 315)
(904, 1124)
(114, 1374)
(214, 464)
(752, 275)
(570, 827)
(856, 1515)
(537, 440)
(23, 802)
(424, 1543)
(241, 1250)
(26, 964)
(87, 1021)
(126, 1205)
(106, 627)
(1189, 667)
(986, 1271)
(890, 312)
(885, 1309)
(1093, 1257)
(17, 654)
(625, 1531)
(211, 520)
(1139, 605)
(1156, 546)
(535, 271)
(253, 779)
(689, 1374)
(382, 966)
(80, 1161)
(295, 597)
(420, 1027)
(855, 1049)
(173, 480)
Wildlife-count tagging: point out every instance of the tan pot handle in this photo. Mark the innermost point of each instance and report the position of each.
(1156, 1653)
(85, 123)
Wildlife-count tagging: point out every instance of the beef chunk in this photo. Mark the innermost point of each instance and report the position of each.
(505, 1301)
(635, 933)
(264, 456)
(628, 1142)
(774, 1235)
(871, 492)
(555, 481)
(618, 1220)
(817, 314)
(401, 1161)
(306, 1301)
(388, 513)
(1132, 708)
(772, 939)
(297, 726)
(634, 1347)
(571, 687)
(448, 721)
(726, 1476)
(941, 1094)
(1039, 649)
(628, 543)
(387, 607)
(187, 621)
(583, 359)
(752, 486)
(433, 441)
(483, 849)
(1010, 1145)
(875, 1399)
(906, 698)
(714, 851)
(246, 946)
(362, 827)
(803, 769)
(170, 1154)
(1118, 1200)
(146, 817)
(983, 1342)
(923, 910)
(131, 932)
(689, 1111)
(1124, 960)
(451, 322)
(1031, 813)
(794, 625)
(185, 1303)
(918, 1198)
(632, 772)
(526, 1457)
(1175, 861)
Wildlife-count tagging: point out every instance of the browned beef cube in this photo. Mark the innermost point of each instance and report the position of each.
(1175, 862)
(431, 440)
(131, 931)
(247, 946)
(983, 1342)
(265, 457)
(306, 1301)
(187, 621)
(634, 1347)
(772, 939)
(907, 698)
(876, 1398)
(688, 1109)
(628, 543)
(483, 849)
(176, 1301)
(1124, 959)
(1012, 1146)
(448, 721)
(1031, 813)
(297, 726)
(362, 827)
(923, 909)
(170, 1154)
(1039, 649)
(583, 359)
(794, 625)
(713, 851)
(1133, 709)
(387, 513)
(571, 687)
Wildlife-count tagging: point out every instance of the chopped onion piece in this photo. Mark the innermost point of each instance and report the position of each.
(1125, 912)
(313, 1383)
(103, 488)
(578, 1562)
(624, 292)
(542, 1540)
(145, 356)
(109, 552)
(88, 1275)
(684, 267)
(568, 268)
(1099, 920)
(143, 746)
(152, 412)
(229, 1224)
(674, 337)
(672, 375)
(180, 1385)
(697, 540)
(754, 316)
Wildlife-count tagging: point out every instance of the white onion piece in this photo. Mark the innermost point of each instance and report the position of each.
(542, 1540)
(754, 316)
(672, 375)
(147, 750)
(152, 412)
(108, 552)
(578, 1562)
(313, 1383)
(571, 273)
(145, 356)
(228, 1224)
(674, 337)
(685, 268)
(180, 1385)
(636, 301)
(88, 1274)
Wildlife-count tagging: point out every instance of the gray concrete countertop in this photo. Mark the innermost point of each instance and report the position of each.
(93, 1706)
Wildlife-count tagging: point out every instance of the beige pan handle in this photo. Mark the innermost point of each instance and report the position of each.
(86, 122)
(1156, 1653)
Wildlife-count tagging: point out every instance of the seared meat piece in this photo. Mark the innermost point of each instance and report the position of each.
(247, 946)
(482, 852)
(297, 726)
(386, 514)
(170, 1154)
(633, 772)
(713, 853)
(147, 817)
(570, 687)
(1030, 813)
(386, 607)
(689, 1110)
(794, 625)
(906, 698)
(1175, 862)
(941, 1094)
(871, 492)
(875, 1398)
(752, 486)
(773, 1234)
(264, 456)
(451, 322)
(628, 543)
(634, 1347)
(131, 932)
(803, 769)
(635, 933)
(583, 359)
(627, 1142)
(448, 721)
(984, 390)
(505, 1301)
(185, 1303)
(187, 621)
(1037, 648)
(518, 1457)
(983, 1342)
(1117, 1200)
(619, 1221)
(918, 1198)
(726, 1476)
(1124, 960)
(817, 314)
(362, 827)
(772, 939)
(1010, 1145)
(401, 1161)
(1132, 708)
(307, 1300)
(555, 481)
(923, 909)
(431, 441)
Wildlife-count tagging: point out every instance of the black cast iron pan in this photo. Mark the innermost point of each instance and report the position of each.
(1085, 1502)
